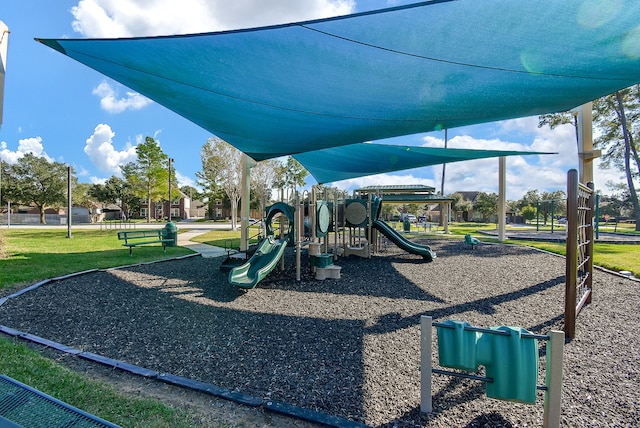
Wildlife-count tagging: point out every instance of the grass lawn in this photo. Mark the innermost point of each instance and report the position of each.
(227, 238)
(27, 366)
(37, 254)
(616, 257)
(32, 255)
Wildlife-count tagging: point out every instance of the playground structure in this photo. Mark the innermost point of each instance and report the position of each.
(356, 228)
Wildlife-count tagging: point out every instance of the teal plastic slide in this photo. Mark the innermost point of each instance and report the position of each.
(263, 261)
(402, 242)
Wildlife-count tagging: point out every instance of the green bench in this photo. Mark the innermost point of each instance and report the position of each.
(133, 238)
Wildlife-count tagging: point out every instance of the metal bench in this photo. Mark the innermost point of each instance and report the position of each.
(133, 238)
(24, 406)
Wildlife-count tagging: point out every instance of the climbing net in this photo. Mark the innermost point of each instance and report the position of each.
(579, 274)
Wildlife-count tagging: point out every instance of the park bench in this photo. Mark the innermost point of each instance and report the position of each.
(134, 238)
(469, 240)
(24, 406)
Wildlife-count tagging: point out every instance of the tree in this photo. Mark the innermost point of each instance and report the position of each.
(528, 212)
(552, 204)
(80, 196)
(486, 204)
(263, 176)
(191, 192)
(460, 204)
(291, 175)
(118, 192)
(149, 175)
(33, 181)
(616, 115)
(389, 211)
(222, 169)
(531, 198)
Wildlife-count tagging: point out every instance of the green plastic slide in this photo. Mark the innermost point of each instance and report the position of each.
(404, 243)
(264, 260)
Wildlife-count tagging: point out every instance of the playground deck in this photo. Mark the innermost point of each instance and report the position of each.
(350, 347)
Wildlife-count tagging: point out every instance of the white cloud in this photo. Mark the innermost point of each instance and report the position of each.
(110, 102)
(128, 18)
(97, 180)
(183, 180)
(99, 147)
(524, 173)
(31, 145)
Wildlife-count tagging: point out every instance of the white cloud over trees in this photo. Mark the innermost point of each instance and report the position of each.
(100, 149)
(31, 145)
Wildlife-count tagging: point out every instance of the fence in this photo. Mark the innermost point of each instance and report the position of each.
(34, 219)
(579, 269)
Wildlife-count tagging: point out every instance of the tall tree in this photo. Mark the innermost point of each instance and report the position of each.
(616, 115)
(149, 175)
(81, 196)
(33, 181)
(291, 175)
(191, 192)
(263, 176)
(486, 204)
(460, 204)
(116, 191)
(222, 169)
(552, 204)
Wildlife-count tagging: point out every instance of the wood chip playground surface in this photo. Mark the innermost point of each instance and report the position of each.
(350, 348)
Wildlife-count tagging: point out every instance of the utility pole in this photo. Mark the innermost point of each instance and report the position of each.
(69, 203)
(170, 160)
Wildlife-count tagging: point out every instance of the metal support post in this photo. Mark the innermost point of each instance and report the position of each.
(426, 405)
(553, 380)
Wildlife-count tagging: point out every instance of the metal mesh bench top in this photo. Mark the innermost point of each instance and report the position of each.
(23, 406)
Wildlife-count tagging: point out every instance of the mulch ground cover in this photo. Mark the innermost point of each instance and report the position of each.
(351, 347)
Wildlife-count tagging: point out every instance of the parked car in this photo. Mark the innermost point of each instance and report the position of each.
(562, 220)
(410, 217)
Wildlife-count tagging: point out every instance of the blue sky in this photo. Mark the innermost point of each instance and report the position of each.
(59, 109)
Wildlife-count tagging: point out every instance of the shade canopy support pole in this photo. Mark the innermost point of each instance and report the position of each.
(502, 199)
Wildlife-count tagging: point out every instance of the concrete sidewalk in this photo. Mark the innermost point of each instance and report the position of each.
(207, 251)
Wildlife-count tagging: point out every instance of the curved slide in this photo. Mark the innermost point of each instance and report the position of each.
(263, 261)
(404, 243)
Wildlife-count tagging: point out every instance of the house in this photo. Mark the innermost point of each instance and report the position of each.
(470, 215)
(179, 208)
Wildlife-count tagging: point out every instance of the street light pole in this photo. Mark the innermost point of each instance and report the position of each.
(170, 160)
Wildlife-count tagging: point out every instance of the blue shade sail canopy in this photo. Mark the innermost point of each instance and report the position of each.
(312, 85)
(360, 160)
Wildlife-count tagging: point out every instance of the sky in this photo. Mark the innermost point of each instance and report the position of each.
(59, 109)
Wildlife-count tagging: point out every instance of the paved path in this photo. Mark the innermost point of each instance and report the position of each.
(184, 240)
